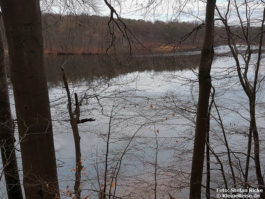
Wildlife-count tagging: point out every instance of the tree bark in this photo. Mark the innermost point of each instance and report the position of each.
(203, 103)
(7, 139)
(22, 20)
(252, 104)
(74, 118)
(256, 146)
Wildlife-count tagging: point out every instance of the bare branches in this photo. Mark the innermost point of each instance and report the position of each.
(122, 27)
(74, 121)
(259, 53)
(74, 118)
(249, 86)
(203, 103)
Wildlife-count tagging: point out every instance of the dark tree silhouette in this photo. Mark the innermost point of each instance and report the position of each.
(7, 135)
(203, 103)
(22, 20)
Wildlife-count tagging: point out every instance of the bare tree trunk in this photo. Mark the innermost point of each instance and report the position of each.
(203, 103)
(156, 164)
(7, 135)
(74, 119)
(226, 144)
(250, 90)
(248, 157)
(22, 20)
(252, 104)
(208, 167)
(103, 196)
(256, 147)
(208, 158)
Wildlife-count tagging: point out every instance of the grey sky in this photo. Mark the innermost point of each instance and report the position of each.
(152, 10)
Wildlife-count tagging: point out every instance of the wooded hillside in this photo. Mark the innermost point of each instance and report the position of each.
(90, 34)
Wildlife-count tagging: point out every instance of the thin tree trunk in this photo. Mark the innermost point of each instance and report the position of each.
(7, 135)
(248, 157)
(103, 196)
(74, 119)
(208, 168)
(203, 103)
(22, 20)
(252, 104)
(208, 158)
(226, 145)
(256, 148)
(156, 164)
(79, 167)
(250, 91)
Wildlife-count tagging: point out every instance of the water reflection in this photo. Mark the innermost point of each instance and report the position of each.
(93, 67)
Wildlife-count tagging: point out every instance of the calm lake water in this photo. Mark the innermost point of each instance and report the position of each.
(147, 105)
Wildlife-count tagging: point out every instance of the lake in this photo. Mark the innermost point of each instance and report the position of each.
(147, 106)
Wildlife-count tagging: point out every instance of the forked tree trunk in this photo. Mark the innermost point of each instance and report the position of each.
(7, 139)
(22, 20)
(74, 119)
(203, 103)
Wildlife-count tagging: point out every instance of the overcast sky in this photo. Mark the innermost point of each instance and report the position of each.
(152, 10)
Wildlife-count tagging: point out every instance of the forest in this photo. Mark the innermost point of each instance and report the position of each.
(95, 105)
(90, 34)
(84, 34)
